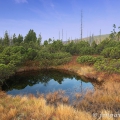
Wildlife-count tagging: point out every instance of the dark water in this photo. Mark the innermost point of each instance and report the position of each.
(45, 81)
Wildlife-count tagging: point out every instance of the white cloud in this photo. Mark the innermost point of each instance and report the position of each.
(21, 1)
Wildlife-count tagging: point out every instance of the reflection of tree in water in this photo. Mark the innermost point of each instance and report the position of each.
(20, 81)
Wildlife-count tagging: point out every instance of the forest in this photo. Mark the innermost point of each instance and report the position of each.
(18, 50)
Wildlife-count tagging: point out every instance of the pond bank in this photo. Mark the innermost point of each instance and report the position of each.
(48, 107)
(81, 70)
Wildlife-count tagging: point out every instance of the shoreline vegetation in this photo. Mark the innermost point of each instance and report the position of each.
(87, 71)
(102, 104)
(97, 60)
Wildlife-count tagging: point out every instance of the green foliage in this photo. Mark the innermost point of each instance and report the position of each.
(111, 52)
(87, 51)
(87, 59)
(13, 55)
(31, 36)
(94, 45)
(6, 40)
(101, 63)
(6, 71)
(56, 46)
(108, 65)
(4, 59)
(13, 50)
(105, 44)
(115, 36)
(70, 48)
(14, 39)
(1, 41)
(31, 54)
(106, 52)
(39, 39)
(1, 48)
(50, 59)
(79, 48)
(115, 53)
(19, 39)
(45, 43)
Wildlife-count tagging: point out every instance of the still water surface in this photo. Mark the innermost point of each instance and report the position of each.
(45, 81)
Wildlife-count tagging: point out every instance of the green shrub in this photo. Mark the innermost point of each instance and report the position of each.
(87, 59)
(6, 71)
(111, 52)
(51, 59)
(108, 65)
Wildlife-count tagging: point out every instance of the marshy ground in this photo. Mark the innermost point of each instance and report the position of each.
(100, 104)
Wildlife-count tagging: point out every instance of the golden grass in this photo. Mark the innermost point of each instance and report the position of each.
(25, 108)
(78, 95)
(64, 112)
(55, 106)
(88, 71)
(107, 99)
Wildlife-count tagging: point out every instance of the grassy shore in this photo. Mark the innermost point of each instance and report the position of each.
(102, 103)
(87, 71)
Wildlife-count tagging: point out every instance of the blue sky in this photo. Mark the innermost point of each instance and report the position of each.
(48, 17)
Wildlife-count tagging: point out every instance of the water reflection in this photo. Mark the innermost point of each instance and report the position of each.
(43, 82)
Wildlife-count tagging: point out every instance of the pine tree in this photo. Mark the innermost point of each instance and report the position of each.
(6, 40)
(39, 39)
(31, 36)
(14, 39)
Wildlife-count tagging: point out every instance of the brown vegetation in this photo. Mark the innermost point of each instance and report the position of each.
(101, 103)
(88, 71)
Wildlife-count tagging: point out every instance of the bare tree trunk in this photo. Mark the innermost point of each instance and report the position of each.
(81, 25)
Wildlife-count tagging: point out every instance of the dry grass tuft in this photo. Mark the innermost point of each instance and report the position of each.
(105, 101)
(64, 112)
(78, 95)
(56, 97)
(65, 99)
(107, 98)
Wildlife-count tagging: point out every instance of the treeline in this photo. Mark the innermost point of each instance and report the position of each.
(18, 50)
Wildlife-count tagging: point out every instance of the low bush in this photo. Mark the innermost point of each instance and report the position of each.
(108, 65)
(51, 59)
(87, 59)
(101, 63)
(111, 52)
